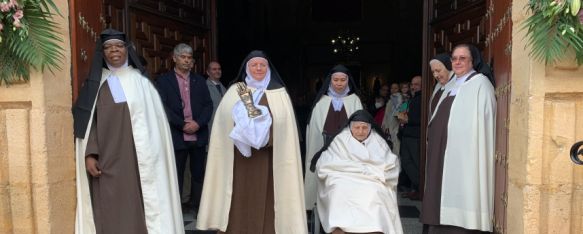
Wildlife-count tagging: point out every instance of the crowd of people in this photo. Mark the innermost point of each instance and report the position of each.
(135, 138)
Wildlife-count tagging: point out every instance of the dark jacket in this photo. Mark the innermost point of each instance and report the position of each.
(412, 128)
(200, 102)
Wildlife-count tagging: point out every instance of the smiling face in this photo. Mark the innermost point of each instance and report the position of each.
(440, 73)
(339, 81)
(360, 130)
(461, 61)
(115, 52)
(214, 71)
(257, 68)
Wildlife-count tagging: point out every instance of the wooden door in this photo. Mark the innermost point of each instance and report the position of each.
(86, 24)
(498, 51)
(487, 24)
(155, 27)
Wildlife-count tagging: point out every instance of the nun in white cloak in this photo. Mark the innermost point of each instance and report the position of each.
(357, 178)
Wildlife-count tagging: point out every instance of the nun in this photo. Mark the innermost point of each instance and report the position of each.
(253, 181)
(441, 70)
(357, 178)
(335, 101)
(126, 177)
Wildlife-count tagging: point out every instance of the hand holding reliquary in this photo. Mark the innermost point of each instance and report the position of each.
(247, 99)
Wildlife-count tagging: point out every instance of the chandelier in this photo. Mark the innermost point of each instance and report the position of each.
(345, 44)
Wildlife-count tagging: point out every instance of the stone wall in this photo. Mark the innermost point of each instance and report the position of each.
(37, 173)
(545, 189)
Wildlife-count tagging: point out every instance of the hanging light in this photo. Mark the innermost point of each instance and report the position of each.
(345, 44)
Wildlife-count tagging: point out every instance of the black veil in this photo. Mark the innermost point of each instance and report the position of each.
(88, 92)
(275, 82)
(326, 84)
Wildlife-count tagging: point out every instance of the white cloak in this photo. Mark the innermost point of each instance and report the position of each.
(215, 204)
(155, 158)
(357, 185)
(315, 140)
(467, 198)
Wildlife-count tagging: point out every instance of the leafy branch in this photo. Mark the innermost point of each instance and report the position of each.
(553, 27)
(28, 39)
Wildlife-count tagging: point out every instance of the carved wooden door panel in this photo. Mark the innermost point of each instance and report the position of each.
(498, 51)
(155, 27)
(86, 24)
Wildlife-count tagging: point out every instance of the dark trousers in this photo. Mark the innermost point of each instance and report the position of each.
(410, 159)
(197, 166)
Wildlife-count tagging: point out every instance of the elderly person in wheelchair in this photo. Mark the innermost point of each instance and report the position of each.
(357, 178)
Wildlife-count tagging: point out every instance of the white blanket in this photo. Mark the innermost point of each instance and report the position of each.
(357, 185)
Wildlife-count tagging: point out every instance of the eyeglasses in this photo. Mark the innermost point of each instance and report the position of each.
(462, 59)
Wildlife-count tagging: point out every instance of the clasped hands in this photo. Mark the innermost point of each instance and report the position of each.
(190, 126)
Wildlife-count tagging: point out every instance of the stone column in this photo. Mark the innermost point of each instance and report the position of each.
(37, 172)
(545, 189)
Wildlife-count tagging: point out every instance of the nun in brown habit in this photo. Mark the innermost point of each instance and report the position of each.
(253, 182)
(126, 178)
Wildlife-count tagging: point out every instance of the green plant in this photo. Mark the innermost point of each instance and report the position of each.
(28, 38)
(553, 27)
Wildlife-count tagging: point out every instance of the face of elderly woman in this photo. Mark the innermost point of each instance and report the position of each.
(440, 73)
(258, 68)
(461, 61)
(339, 81)
(360, 130)
(115, 52)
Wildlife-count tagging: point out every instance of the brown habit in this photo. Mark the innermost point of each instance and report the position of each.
(252, 205)
(334, 121)
(116, 194)
(436, 144)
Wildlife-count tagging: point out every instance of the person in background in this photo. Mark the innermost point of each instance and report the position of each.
(381, 95)
(411, 131)
(380, 103)
(215, 87)
(189, 108)
(390, 123)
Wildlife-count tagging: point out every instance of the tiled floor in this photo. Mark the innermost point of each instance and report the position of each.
(409, 211)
